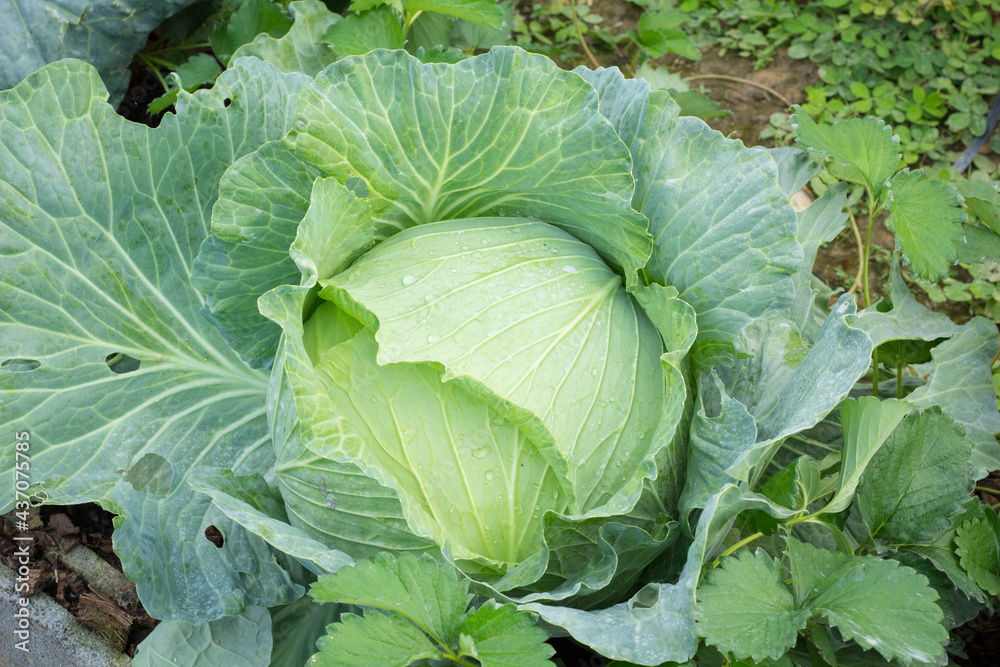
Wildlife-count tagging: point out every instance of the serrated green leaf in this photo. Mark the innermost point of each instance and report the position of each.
(918, 481)
(926, 216)
(744, 608)
(884, 606)
(356, 34)
(231, 641)
(483, 12)
(300, 49)
(251, 18)
(867, 422)
(359, 641)
(428, 593)
(864, 149)
(810, 565)
(505, 637)
(978, 548)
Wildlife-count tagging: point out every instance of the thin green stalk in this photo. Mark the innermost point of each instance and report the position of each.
(154, 69)
(739, 545)
(868, 296)
(899, 379)
(986, 489)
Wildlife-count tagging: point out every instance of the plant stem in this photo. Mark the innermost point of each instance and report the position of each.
(868, 296)
(583, 42)
(736, 79)
(899, 379)
(155, 70)
(986, 489)
(739, 545)
(996, 356)
(861, 253)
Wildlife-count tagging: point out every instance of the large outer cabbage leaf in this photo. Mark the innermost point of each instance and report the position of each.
(101, 220)
(105, 33)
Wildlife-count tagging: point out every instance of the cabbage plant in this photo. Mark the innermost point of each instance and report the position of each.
(527, 322)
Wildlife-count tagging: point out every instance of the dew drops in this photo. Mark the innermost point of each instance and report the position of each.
(480, 452)
(489, 475)
(430, 298)
(433, 339)
(569, 269)
(409, 280)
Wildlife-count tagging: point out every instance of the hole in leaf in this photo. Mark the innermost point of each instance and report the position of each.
(151, 473)
(226, 102)
(121, 363)
(19, 365)
(213, 535)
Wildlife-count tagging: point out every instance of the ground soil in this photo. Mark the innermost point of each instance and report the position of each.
(55, 531)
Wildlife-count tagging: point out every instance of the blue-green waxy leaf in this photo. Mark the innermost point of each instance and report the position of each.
(101, 221)
(861, 150)
(655, 625)
(905, 318)
(105, 33)
(744, 608)
(724, 232)
(918, 481)
(504, 133)
(250, 502)
(232, 641)
(926, 216)
(554, 343)
(788, 386)
(961, 384)
(867, 422)
(301, 48)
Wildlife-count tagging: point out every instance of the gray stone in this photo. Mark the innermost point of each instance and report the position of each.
(56, 638)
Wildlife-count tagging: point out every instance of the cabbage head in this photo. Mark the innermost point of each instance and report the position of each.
(500, 279)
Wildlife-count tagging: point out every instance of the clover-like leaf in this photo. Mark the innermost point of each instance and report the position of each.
(502, 636)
